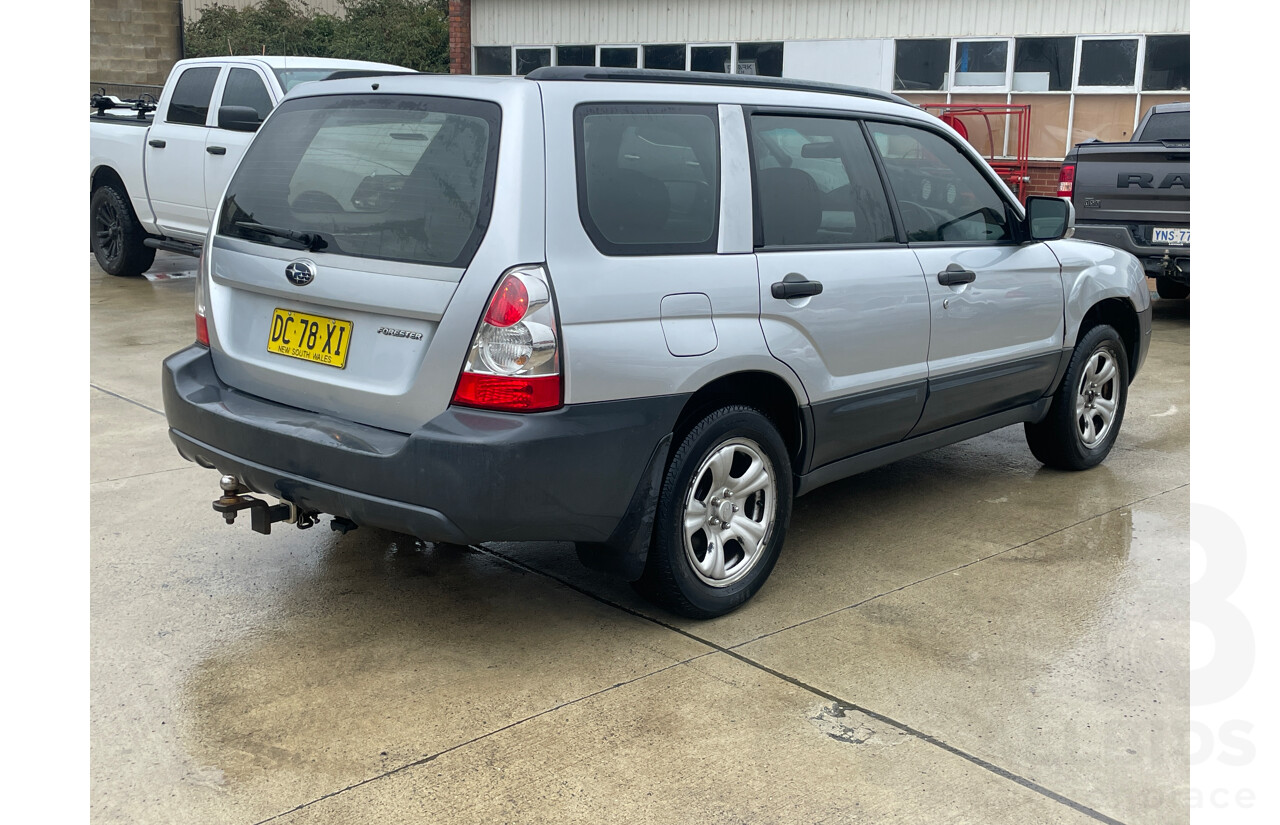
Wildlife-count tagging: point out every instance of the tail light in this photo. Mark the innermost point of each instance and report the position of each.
(202, 303)
(514, 360)
(1066, 180)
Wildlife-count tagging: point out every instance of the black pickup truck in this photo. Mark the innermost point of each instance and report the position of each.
(1137, 195)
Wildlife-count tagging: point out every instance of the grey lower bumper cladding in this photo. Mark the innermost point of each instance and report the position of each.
(466, 476)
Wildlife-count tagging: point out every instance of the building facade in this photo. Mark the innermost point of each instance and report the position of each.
(133, 42)
(1086, 70)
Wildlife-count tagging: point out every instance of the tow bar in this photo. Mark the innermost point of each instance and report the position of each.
(235, 498)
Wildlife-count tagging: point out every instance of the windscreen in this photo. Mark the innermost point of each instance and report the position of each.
(1168, 126)
(395, 177)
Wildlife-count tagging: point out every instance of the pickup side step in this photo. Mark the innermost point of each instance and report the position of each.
(181, 247)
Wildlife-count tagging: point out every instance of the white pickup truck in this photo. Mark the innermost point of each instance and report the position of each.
(156, 177)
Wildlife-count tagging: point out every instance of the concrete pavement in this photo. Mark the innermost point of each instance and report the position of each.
(963, 636)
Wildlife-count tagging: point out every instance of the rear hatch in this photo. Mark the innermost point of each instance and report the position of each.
(1133, 183)
(341, 241)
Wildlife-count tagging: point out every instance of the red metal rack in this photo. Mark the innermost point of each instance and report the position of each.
(965, 118)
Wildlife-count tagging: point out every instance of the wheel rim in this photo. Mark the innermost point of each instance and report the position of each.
(729, 512)
(1098, 397)
(108, 231)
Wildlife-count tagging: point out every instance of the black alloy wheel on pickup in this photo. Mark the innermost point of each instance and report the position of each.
(116, 236)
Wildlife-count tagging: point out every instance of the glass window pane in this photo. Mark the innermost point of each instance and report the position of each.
(529, 59)
(760, 59)
(666, 56)
(493, 60)
(575, 55)
(619, 57)
(981, 62)
(941, 195)
(1168, 126)
(710, 59)
(817, 184)
(1044, 64)
(1168, 63)
(920, 65)
(245, 88)
(648, 178)
(396, 177)
(190, 103)
(1108, 62)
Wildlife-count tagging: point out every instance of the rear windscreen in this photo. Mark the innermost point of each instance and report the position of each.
(395, 177)
(1168, 126)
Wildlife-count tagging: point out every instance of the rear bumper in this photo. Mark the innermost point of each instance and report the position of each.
(1173, 262)
(466, 476)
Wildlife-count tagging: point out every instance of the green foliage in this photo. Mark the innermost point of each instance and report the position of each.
(412, 33)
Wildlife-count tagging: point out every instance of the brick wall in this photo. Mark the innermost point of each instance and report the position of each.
(460, 36)
(133, 41)
(1044, 177)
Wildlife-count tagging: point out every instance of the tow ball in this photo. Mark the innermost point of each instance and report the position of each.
(235, 498)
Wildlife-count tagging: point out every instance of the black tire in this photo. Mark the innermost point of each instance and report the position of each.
(115, 236)
(740, 436)
(1171, 290)
(1076, 434)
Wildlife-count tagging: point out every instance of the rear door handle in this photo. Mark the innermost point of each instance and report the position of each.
(795, 289)
(955, 274)
(156, 142)
(216, 150)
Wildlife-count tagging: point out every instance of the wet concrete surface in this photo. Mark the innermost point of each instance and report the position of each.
(963, 636)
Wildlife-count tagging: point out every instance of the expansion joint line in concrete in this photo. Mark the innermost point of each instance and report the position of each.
(125, 398)
(426, 759)
(1003, 773)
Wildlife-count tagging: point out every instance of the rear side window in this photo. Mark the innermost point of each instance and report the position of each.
(941, 194)
(395, 177)
(1168, 126)
(190, 102)
(245, 88)
(816, 183)
(648, 178)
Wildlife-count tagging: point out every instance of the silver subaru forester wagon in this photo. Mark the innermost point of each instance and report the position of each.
(636, 310)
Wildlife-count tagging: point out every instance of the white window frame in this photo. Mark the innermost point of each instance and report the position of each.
(1134, 88)
(511, 56)
(1003, 88)
(733, 54)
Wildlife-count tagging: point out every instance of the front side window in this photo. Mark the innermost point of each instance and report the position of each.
(648, 178)
(191, 95)
(245, 88)
(394, 177)
(816, 183)
(940, 193)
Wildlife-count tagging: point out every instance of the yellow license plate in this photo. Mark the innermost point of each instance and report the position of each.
(310, 337)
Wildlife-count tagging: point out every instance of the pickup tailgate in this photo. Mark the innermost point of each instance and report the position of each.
(340, 244)
(1133, 183)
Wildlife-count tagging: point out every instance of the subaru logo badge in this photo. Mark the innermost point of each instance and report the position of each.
(300, 273)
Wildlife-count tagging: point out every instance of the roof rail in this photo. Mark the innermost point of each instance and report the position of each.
(707, 79)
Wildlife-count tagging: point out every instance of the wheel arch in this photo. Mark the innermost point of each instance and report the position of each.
(1121, 316)
(765, 391)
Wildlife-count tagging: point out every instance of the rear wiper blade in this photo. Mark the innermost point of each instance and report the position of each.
(311, 240)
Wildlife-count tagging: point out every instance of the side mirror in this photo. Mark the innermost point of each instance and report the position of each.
(239, 118)
(1049, 218)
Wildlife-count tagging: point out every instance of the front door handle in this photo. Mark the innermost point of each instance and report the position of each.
(795, 289)
(216, 150)
(156, 142)
(955, 274)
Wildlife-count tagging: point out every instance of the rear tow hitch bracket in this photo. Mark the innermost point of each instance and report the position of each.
(262, 515)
